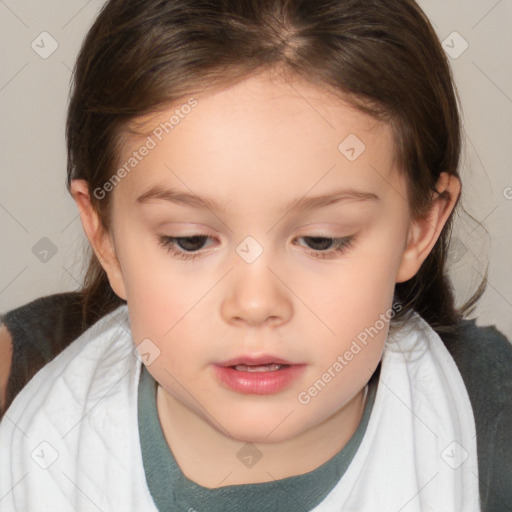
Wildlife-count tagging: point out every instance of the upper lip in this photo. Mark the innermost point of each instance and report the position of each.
(254, 360)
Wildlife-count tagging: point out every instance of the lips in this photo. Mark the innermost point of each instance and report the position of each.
(263, 375)
(251, 360)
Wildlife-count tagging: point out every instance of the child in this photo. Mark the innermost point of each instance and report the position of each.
(268, 188)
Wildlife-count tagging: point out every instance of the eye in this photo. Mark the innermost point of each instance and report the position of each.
(324, 247)
(336, 246)
(190, 243)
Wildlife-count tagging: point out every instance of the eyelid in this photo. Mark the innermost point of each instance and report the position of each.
(341, 246)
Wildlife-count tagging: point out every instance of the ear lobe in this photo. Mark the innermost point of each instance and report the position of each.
(424, 232)
(100, 240)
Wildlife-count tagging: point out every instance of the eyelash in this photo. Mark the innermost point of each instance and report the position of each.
(341, 245)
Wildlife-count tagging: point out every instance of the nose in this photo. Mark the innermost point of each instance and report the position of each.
(256, 294)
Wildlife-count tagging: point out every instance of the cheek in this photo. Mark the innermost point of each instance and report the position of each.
(351, 296)
(354, 306)
(359, 318)
(159, 292)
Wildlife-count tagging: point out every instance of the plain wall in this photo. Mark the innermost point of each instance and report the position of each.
(42, 237)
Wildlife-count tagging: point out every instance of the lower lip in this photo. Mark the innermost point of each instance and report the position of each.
(258, 383)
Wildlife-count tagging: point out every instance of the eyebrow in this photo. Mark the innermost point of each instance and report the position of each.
(305, 203)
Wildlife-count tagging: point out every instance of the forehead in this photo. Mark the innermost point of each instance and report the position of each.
(262, 138)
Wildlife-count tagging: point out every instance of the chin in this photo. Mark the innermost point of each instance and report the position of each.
(264, 428)
(259, 434)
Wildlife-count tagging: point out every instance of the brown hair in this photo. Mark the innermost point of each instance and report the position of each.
(382, 56)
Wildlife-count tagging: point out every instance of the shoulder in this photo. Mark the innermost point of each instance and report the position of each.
(483, 356)
(58, 312)
(81, 402)
(71, 378)
(32, 335)
(5, 361)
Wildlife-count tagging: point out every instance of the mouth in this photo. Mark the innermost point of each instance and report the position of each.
(271, 367)
(258, 375)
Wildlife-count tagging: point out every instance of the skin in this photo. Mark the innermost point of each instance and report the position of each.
(5, 362)
(257, 146)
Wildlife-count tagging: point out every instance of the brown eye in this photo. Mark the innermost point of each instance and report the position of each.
(187, 245)
(328, 247)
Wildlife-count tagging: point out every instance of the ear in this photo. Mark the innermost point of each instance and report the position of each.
(423, 233)
(100, 240)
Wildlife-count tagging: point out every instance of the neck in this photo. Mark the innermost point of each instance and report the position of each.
(207, 457)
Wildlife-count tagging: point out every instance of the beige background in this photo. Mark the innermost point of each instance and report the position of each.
(37, 214)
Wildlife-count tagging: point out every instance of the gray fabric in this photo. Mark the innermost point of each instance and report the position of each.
(484, 358)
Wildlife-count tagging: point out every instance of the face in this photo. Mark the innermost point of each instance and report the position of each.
(264, 271)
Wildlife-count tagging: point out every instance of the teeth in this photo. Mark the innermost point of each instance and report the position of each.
(259, 368)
